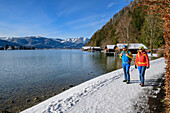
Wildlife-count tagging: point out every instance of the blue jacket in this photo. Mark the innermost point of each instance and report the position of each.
(126, 58)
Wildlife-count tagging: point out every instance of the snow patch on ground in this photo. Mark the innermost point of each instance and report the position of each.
(153, 55)
(104, 94)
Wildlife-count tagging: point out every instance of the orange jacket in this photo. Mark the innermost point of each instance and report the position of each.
(142, 59)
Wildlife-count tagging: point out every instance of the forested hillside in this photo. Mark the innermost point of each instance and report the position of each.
(131, 25)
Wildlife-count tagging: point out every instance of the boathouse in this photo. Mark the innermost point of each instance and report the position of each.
(93, 49)
(133, 47)
(86, 48)
(110, 48)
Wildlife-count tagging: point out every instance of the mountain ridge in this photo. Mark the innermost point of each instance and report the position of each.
(43, 42)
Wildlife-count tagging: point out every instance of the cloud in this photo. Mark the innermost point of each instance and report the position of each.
(68, 10)
(55, 18)
(92, 18)
(79, 20)
(110, 5)
(17, 30)
(90, 25)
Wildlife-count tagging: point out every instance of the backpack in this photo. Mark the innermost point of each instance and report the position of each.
(128, 57)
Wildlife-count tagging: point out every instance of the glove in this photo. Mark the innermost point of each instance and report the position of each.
(135, 66)
(147, 67)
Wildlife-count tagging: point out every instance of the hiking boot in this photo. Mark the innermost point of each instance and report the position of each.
(127, 82)
(124, 80)
(142, 85)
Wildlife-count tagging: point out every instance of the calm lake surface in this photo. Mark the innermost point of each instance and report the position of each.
(27, 74)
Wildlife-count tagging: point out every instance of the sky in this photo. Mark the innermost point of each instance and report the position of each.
(56, 18)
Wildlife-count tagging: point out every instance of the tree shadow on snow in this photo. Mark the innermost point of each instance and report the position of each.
(148, 82)
(153, 82)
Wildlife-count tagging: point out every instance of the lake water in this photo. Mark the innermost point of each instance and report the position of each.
(25, 75)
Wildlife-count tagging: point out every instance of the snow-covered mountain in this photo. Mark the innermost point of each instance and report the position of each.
(6, 38)
(76, 40)
(4, 42)
(42, 42)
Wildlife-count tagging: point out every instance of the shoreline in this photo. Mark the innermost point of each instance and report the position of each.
(68, 101)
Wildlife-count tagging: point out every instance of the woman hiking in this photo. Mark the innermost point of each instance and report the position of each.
(142, 62)
(126, 57)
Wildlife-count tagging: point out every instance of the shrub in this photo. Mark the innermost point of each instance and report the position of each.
(160, 53)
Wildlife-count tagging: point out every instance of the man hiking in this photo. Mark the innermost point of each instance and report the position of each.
(126, 57)
(142, 62)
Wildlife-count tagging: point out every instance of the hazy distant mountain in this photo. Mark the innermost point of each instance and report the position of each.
(42, 42)
(5, 38)
(4, 42)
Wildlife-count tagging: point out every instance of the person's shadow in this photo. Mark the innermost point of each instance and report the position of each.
(149, 82)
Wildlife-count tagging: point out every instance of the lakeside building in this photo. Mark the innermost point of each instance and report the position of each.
(110, 49)
(86, 48)
(133, 47)
(9, 48)
(91, 49)
(16, 47)
(116, 49)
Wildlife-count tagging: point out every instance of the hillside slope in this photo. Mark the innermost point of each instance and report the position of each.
(128, 26)
(4, 42)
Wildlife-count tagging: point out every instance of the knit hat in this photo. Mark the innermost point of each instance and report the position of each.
(141, 47)
(124, 46)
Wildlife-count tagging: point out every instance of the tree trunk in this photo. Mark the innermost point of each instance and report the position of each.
(151, 42)
(127, 34)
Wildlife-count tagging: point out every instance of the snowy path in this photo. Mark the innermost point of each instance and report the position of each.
(104, 94)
